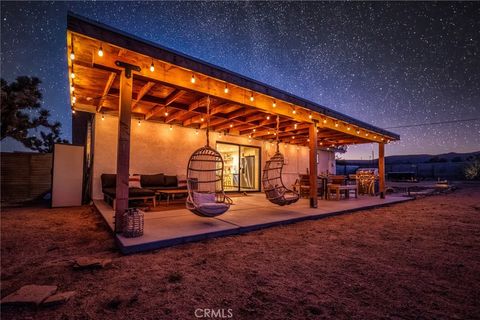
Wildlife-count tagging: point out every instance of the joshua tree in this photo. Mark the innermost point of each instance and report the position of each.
(18, 99)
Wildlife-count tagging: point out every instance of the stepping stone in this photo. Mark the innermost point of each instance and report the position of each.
(91, 263)
(58, 298)
(29, 295)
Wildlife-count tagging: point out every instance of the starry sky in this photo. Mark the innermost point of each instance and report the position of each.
(390, 64)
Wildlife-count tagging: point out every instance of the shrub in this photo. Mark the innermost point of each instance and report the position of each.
(472, 170)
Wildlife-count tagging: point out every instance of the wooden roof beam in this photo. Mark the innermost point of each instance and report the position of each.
(174, 95)
(106, 90)
(143, 91)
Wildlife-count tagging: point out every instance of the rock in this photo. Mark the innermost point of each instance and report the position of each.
(91, 263)
(29, 295)
(58, 298)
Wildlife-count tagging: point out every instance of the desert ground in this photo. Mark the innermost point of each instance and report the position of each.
(414, 260)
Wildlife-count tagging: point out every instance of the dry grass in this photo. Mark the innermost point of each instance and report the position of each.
(419, 259)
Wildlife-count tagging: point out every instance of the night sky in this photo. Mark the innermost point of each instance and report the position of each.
(389, 64)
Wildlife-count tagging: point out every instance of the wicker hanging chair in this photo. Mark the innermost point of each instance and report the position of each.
(273, 186)
(206, 197)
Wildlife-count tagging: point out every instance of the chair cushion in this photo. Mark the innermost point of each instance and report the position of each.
(109, 180)
(152, 180)
(171, 181)
(212, 208)
(168, 188)
(201, 198)
(134, 181)
(132, 192)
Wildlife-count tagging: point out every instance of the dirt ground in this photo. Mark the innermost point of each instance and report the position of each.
(419, 259)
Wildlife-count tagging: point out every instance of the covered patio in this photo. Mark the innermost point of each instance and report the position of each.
(249, 213)
(141, 108)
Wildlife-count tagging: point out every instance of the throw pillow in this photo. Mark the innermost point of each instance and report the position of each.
(200, 198)
(134, 181)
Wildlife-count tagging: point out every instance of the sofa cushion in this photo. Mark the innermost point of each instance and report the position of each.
(171, 181)
(168, 188)
(152, 180)
(132, 192)
(109, 180)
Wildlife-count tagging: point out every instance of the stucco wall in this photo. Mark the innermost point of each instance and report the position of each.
(157, 149)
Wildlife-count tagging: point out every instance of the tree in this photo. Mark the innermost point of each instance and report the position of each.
(19, 100)
(472, 170)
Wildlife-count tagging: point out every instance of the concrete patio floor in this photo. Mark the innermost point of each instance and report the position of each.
(252, 212)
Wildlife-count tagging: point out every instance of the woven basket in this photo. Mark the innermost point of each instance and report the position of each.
(132, 225)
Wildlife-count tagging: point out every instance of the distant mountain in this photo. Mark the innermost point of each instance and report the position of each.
(419, 158)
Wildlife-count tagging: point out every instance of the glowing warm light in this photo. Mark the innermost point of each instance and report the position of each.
(310, 116)
(103, 117)
(336, 124)
(139, 123)
(308, 140)
(231, 125)
(366, 134)
(325, 120)
(268, 132)
(72, 75)
(73, 110)
(383, 139)
(321, 143)
(358, 131)
(171, 127)
(348, 128)
(72, 55)
(295, 126)
(100, 51)
(374, 137)
(202, 119)
(72, 88)
(293, 137)
(152, 67)
(268, 117)
(251, 97)
(274, 104)
(196, 131)
(254, 129)
(166, 113)
(192, 80)
(226, 89)
(294, 111)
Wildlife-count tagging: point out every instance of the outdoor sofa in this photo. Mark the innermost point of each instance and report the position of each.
(150, 184)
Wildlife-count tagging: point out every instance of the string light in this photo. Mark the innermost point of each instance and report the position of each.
(139, 122)
(100, 51)
(295, 126)
(358, 131)
(152, 67)
(294, 111)
(268, 132)
(231, 125)
(274, 104)
(375, 137)
(308, 140)
(103, 116)
(348, 128)
(293, 137)
(166, 112)
(171, 127)
(72, 88)
(251, 97)
(226, 88)
(74, 99)
(72, 55)
(73, 111)
(383, 139)
(310, 116)
(72, 75)
(321, 143)
(336, 124)
(254, 129)
(324, 120)
(192, 80)
(268, 117)
(202, 119)
(366, 134)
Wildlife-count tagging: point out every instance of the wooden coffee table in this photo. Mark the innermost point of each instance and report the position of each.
(171, 193)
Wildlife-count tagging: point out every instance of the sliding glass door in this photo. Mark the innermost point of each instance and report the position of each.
(242, 167)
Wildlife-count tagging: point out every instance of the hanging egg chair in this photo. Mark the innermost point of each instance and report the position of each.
(206, 197)
(272, 182)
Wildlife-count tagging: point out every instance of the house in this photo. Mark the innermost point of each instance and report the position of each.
(142, 108)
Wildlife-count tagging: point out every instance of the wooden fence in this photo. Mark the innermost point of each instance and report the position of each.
(25, 176)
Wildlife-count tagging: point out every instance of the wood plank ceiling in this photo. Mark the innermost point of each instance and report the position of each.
(96, 89)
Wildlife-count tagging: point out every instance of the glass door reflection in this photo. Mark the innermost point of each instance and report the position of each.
(249, 168)
(230, 154)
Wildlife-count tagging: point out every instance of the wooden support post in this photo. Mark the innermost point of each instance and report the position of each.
(381, 169)
(123, 148)
(312, 134)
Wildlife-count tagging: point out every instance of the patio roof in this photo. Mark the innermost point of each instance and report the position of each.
(175, 91)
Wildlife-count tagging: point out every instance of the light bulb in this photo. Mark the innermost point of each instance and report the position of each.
(348, 128)
(226, 89)
(268, 117)
(308, 140)
(374, 137)
(336, 124)
(192, 80)
(252, 98)
(325, 120)
(139, 123)
(274, 104)
(293, 137)
(202, 119)
(196, 131)
(103, 117)
(72, 75)
(152, 67)
(72, 88)
(254, 130)
(295, 126)
(231, 125)
(100, 51)
(74, 99)
(72, 55)
(294, 111)
(73, 111)
(310, 116)
(166, 114)
(358, 131)
(171, 128)
(366, 134)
